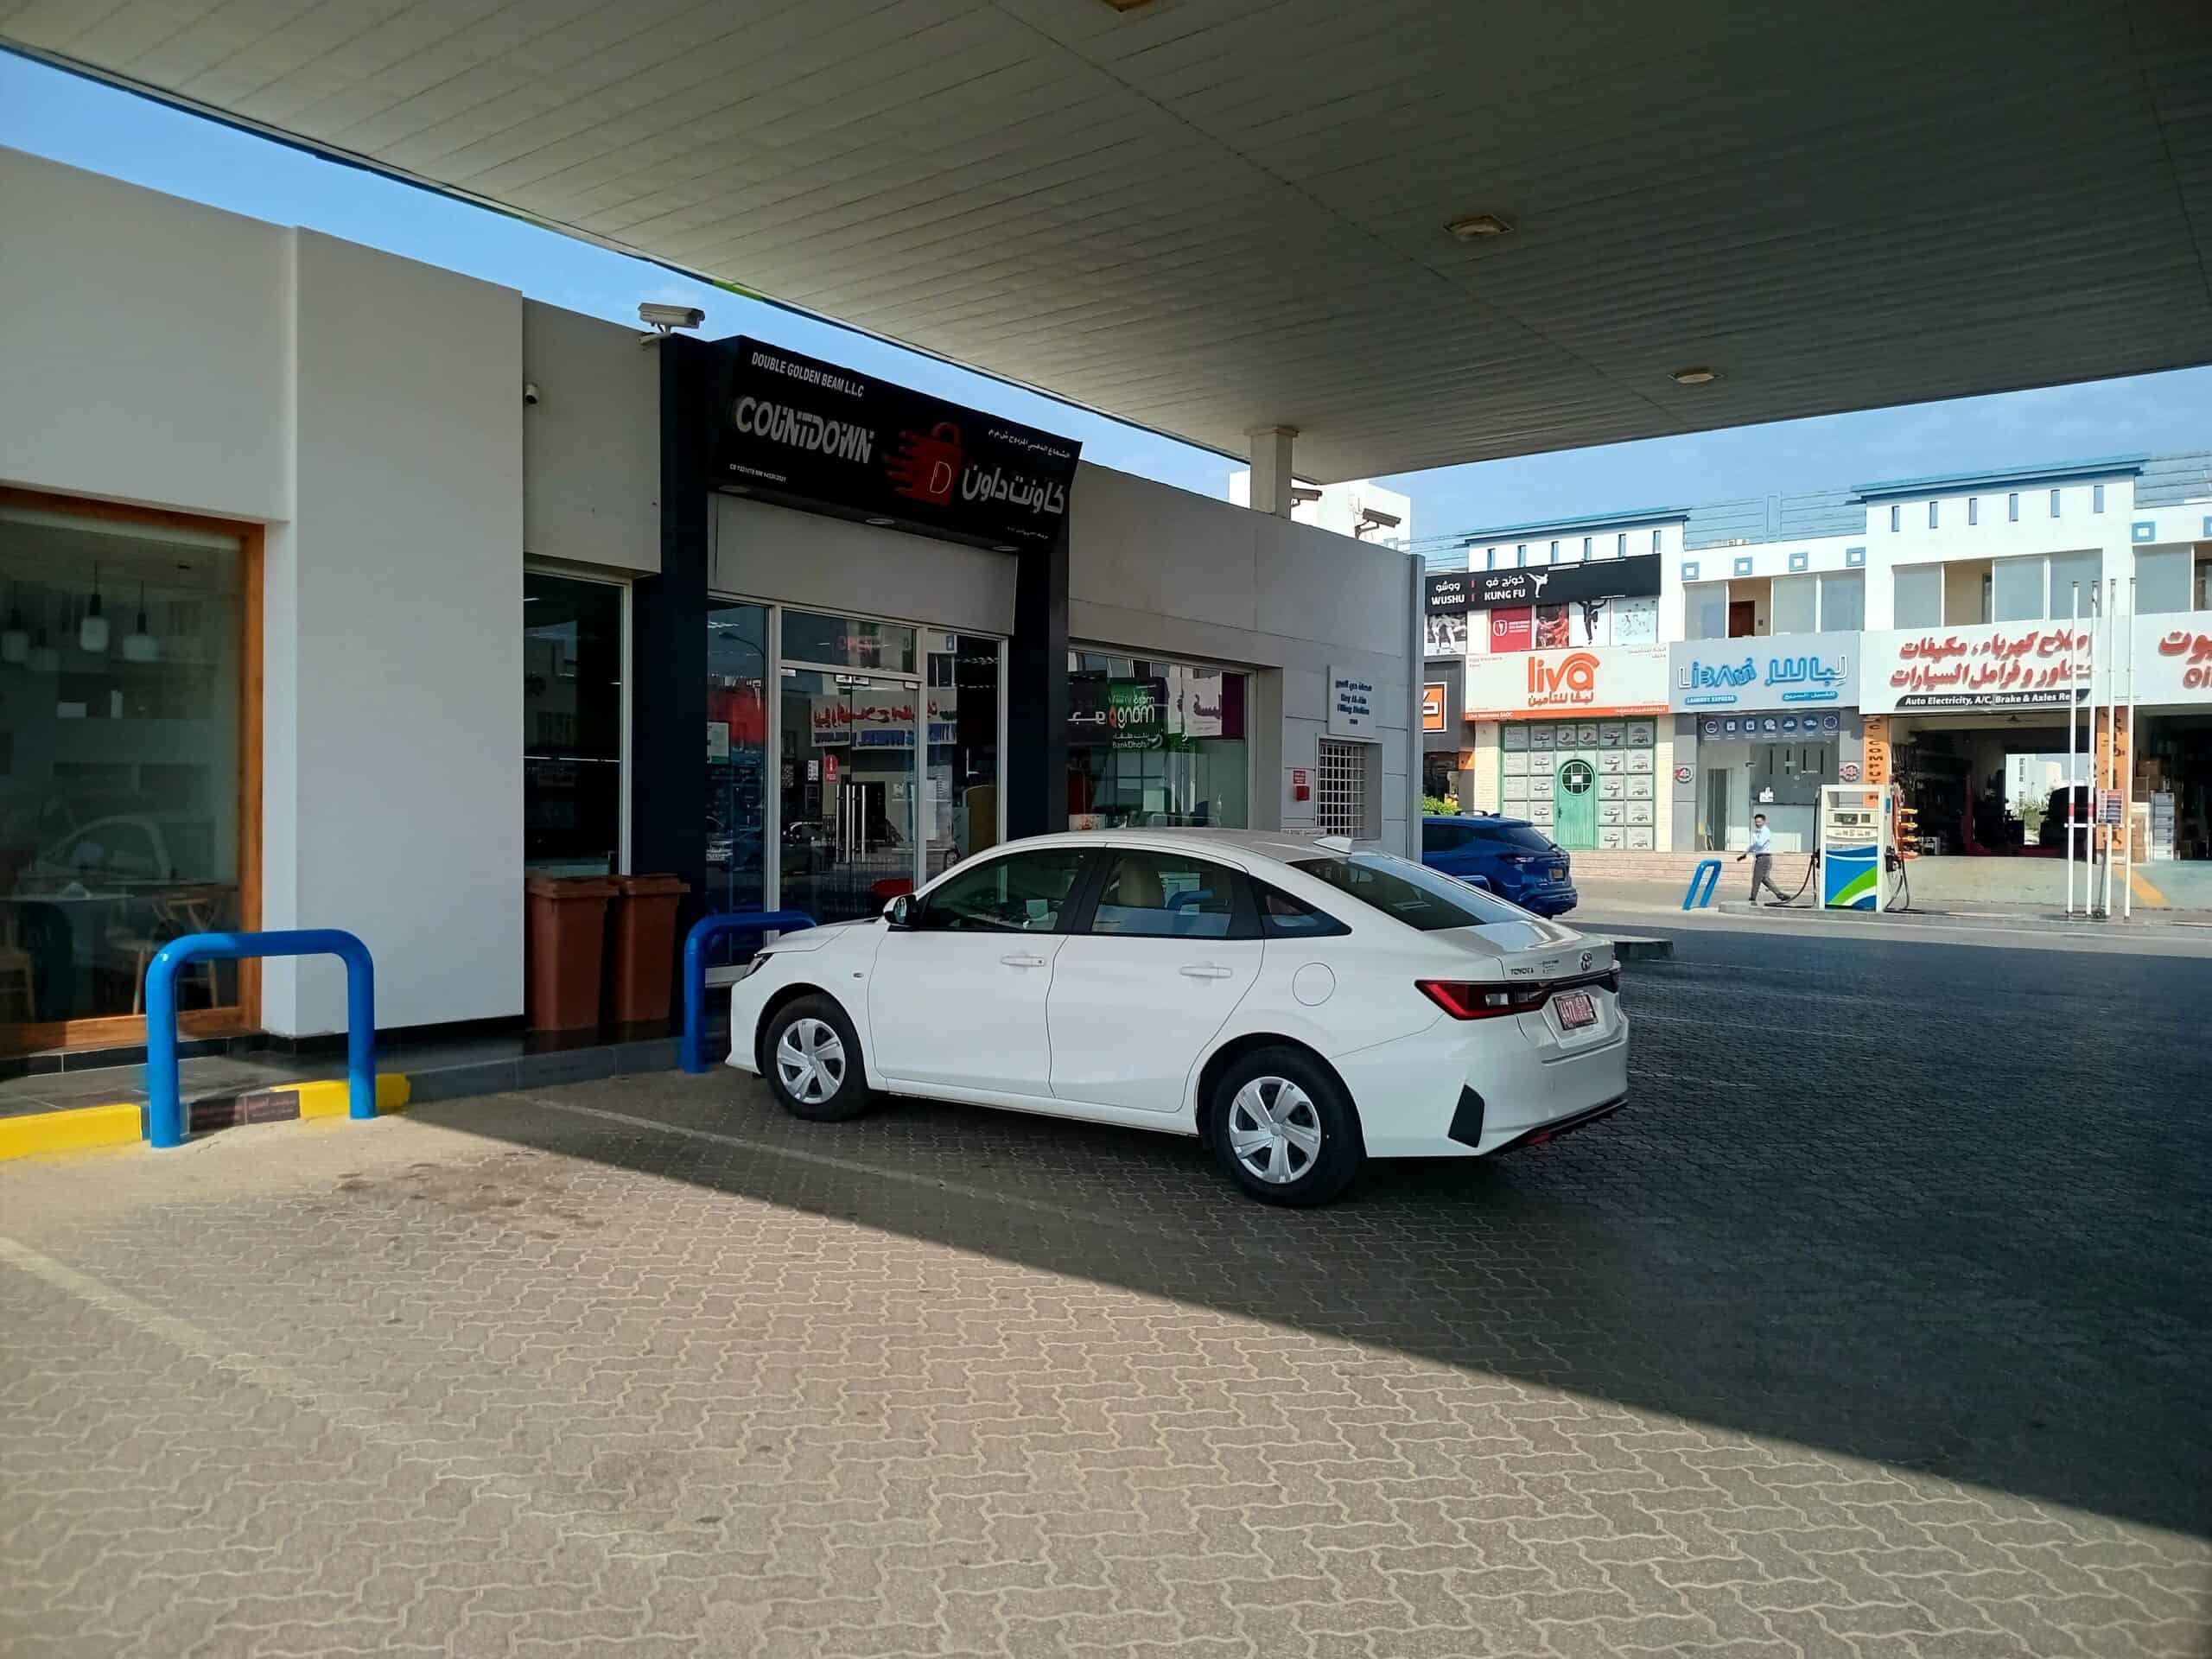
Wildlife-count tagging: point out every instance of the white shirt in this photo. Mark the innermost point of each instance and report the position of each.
(1762, 840)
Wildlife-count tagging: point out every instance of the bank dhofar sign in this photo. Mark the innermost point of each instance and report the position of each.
(1618, 680)
(1993, 666)
(795, 429)
(1784, 672)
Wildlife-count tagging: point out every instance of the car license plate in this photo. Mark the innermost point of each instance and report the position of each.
(1559, 872)
(1576, 1009)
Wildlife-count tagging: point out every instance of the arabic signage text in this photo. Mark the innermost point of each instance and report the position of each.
(1617, 680)
(2001, 666)
(1351, 705)
(808, 433)
(1782, 671)
(1557, 584)
(1445, 591)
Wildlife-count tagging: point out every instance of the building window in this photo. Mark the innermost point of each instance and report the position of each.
(1973, 509)
(571, 725)
(1620, 546)
(2017, 590)
(1555, 553)
(2012, 507)
(1156, 743)
(1585, 550)
(1843, 601)
(1790, 605)
(2054, 504)
(1896, 517)
(1932, 515)
(2097, 498)
(1340, 792)
(1916, 593)
(1706, 611)
(2162, 579)
(2067, 569)
(1520, 553)
(1490, 559)
(1654, 541)
(124, 766)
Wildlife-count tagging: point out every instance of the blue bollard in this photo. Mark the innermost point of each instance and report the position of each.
(165, 1124)
(704, 932)
(1708, 871)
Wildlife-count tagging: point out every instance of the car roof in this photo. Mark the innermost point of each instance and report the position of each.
(1495, 820)
(1282, 845)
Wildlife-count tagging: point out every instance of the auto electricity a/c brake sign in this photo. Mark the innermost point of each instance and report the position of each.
(803, 433)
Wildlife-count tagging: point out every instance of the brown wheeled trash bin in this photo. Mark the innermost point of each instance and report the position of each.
(641, 947)
(564, 935)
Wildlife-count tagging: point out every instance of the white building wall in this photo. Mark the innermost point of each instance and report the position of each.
(142, 352)
(1343, 508)
(367, 411)
(1155, 569)
(404, 568)
(591, 443)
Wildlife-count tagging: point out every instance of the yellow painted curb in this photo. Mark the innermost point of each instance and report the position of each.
(69, 1131)
(333, 1096)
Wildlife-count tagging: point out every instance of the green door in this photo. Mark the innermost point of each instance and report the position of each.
(1575, 804)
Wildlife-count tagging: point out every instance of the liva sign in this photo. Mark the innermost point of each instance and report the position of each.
(1596, 680)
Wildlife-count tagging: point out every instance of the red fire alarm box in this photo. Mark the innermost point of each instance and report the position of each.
(1301, 787)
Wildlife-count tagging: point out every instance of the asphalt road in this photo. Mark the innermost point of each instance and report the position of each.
(1878, 1325)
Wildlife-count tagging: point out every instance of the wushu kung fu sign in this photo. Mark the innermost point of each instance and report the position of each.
(1995, 667)
(804, 433)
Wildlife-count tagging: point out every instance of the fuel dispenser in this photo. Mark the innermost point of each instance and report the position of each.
(1855, 834)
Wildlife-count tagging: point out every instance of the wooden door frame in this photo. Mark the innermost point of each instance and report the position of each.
(122, 1029)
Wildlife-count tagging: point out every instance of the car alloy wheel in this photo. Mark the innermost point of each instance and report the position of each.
(1275, 1129)
(811, 1061)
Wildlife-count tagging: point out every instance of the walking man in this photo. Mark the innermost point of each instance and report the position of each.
(1761, 853)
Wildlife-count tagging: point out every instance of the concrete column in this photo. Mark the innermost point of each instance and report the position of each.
(1271, 469)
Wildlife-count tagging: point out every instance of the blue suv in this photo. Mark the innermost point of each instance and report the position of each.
(1510, 856)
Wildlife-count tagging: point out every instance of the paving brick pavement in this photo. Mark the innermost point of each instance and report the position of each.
(1876, 1326)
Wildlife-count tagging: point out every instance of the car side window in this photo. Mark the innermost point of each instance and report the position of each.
(1023, 892)
(1165, 896)
(1283, 917)
(1441, 838)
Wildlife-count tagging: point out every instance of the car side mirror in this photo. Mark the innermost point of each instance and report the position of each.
(899, 912)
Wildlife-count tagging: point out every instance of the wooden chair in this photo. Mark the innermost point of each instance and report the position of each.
(173, 913)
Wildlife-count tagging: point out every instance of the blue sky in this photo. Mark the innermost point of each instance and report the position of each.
(89, 125)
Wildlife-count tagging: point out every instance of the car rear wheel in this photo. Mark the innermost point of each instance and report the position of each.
(814, 1061)
(1283, 1129)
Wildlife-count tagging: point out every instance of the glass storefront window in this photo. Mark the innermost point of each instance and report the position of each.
(120, 764)
(848, 793)
(961, 798)
(1156, 743)
(849, 641)
(572, 726)
(737, 758)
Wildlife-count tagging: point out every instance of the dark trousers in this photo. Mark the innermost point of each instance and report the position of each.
(1762, 876)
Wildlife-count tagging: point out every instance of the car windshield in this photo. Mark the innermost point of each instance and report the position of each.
(1418, 897)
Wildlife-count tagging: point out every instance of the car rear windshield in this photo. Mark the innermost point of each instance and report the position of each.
(1418, 897)
(1520, 838)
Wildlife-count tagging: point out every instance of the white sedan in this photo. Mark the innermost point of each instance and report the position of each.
(1298, 1003)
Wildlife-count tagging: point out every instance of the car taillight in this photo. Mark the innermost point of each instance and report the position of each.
(1469, 999)
(1465, 1001)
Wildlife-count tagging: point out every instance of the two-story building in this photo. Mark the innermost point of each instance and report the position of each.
(1924, 629)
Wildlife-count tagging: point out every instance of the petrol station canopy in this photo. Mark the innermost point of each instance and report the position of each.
(1216, 216)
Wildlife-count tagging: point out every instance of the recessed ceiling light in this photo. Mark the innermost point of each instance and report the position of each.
(1128, 5)
(1478, 227)
(1700, 376)
(1008, 547)
(883, 524)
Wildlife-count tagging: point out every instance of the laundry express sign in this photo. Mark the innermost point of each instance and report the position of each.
(808, 433)
(1614, 680)
(1784, 672)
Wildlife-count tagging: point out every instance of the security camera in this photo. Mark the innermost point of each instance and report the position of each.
(665, 317)
(530, 391)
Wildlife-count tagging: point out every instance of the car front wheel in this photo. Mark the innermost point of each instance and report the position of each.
(814, 1061)
(1283, 1128)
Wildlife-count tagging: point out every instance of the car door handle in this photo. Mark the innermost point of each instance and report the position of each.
(1206, 970)
(1023, 961)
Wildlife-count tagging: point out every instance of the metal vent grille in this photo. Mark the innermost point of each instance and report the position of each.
(1340, 801)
